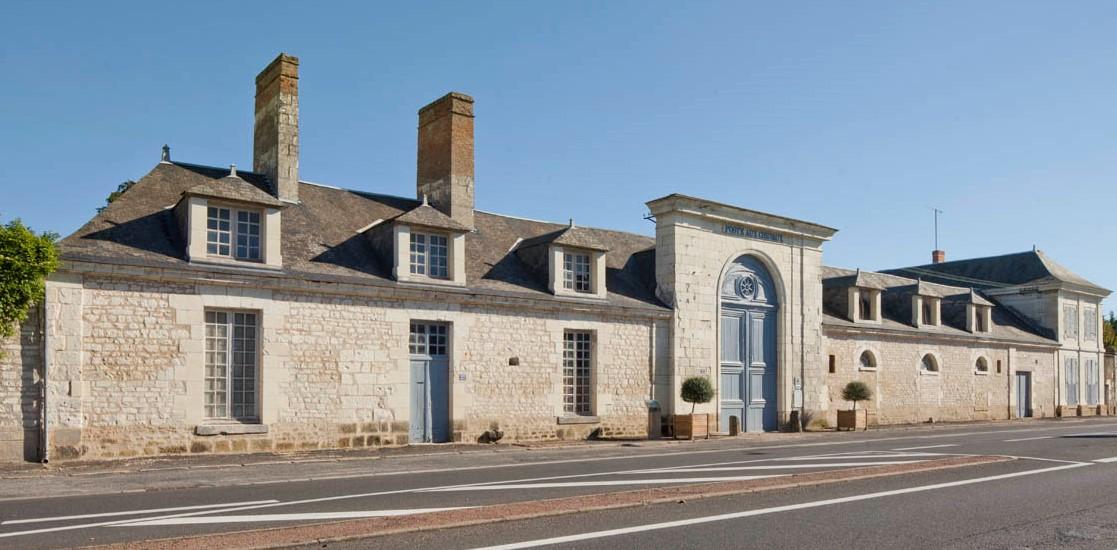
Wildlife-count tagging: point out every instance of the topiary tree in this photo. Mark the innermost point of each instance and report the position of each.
(25, 261)
(697, 389)
(856, 391)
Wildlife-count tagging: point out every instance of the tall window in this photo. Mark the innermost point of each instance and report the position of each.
(1093, 397)
(865, 301)
(1070, 321)
(577, 369)
(980, 324)
(429, 255)
(576, 272)
(221, 233)
(1070, 366)
(231, 365)
(928, 316)
(1090, 329)
(428, 339)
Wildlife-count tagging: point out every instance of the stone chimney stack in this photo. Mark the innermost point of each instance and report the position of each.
(275, 147)
(445, 159)
(938, 256)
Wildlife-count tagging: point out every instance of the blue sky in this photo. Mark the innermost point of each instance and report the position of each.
(857, 115)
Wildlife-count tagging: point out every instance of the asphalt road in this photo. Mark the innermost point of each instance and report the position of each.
(1060, 492)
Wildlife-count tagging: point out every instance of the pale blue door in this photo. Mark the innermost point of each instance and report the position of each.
(430, 383)
(748, 365)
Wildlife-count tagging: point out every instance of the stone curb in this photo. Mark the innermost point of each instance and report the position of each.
(373, 527)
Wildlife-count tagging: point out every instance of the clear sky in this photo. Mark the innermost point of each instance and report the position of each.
(857, 115)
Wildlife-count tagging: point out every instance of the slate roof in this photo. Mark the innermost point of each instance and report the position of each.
(896, 308)
(1031, 267)
(322, 238)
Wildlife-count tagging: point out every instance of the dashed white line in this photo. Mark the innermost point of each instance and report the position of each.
(609, 483)
(308, 516)
(137, 512)
(1029, 438)
(927, 447)
(1106, 460)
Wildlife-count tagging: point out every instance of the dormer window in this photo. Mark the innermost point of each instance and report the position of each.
(430, 255)
(576, 273)
(866, 304)
(928, 315)
(981, 323)
(222, 233)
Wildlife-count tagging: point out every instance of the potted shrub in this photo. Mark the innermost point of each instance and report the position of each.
(855, 419)
(696, 389)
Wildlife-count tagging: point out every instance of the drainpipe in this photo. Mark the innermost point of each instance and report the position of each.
(44, 433)
(802, 339)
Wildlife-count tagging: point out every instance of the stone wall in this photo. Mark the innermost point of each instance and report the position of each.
(334, 370)
(902, 393)
(21, 362)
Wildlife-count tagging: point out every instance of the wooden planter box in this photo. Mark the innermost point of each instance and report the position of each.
(853, 420)
(692, 426)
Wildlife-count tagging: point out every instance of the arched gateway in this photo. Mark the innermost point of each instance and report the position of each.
(749, 362)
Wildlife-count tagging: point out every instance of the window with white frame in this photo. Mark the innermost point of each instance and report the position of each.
(1093, 396)
(1070, 321)
(231, 350)
(981, 319)
(928, 313)
(577, 372)
(233, 233)
(981, 366)
(576, 272)
(865, 303)
(1090, 328)
(430, 255)
(1070, 371)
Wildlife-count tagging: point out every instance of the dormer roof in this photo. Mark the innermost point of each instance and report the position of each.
(572, 236)
(233, 188)
(426, 215)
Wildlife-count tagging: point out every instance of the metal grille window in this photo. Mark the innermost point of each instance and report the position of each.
(231, 365)
(429, 255)
(1070, 366)
(1093, 397)
(577, 369)
(428, 339)
(576, 272)
(1090, 329)
(221, 233)
(1070, 321)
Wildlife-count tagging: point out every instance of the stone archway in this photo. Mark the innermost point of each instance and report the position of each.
(749, 360)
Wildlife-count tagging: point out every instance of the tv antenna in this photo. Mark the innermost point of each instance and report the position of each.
(937, 213)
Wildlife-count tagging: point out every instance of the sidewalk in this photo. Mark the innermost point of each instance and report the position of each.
(30, 480)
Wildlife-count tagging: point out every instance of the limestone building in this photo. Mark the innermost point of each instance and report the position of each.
(212, 309)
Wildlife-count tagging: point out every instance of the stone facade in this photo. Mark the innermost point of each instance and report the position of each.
(335, 368)
(903, 394)
(21, 360)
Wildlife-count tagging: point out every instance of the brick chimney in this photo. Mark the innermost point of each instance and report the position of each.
(445, 159)
(275, 147)
(938, 256)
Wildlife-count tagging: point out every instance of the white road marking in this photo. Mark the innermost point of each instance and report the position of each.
(569, 484)
(927, 447)
(137, 512)
(1106, 460)
(308, 516)
(764, 511)
(1029, 438)
(685, 469)
(860, 456)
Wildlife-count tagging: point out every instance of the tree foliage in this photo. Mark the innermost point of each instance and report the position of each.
(697, 389)
(856, 391)
(25, 261)
(120, 190)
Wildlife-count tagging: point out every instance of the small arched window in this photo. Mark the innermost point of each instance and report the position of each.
(867, 360)
(982, 365)
(929, 364)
